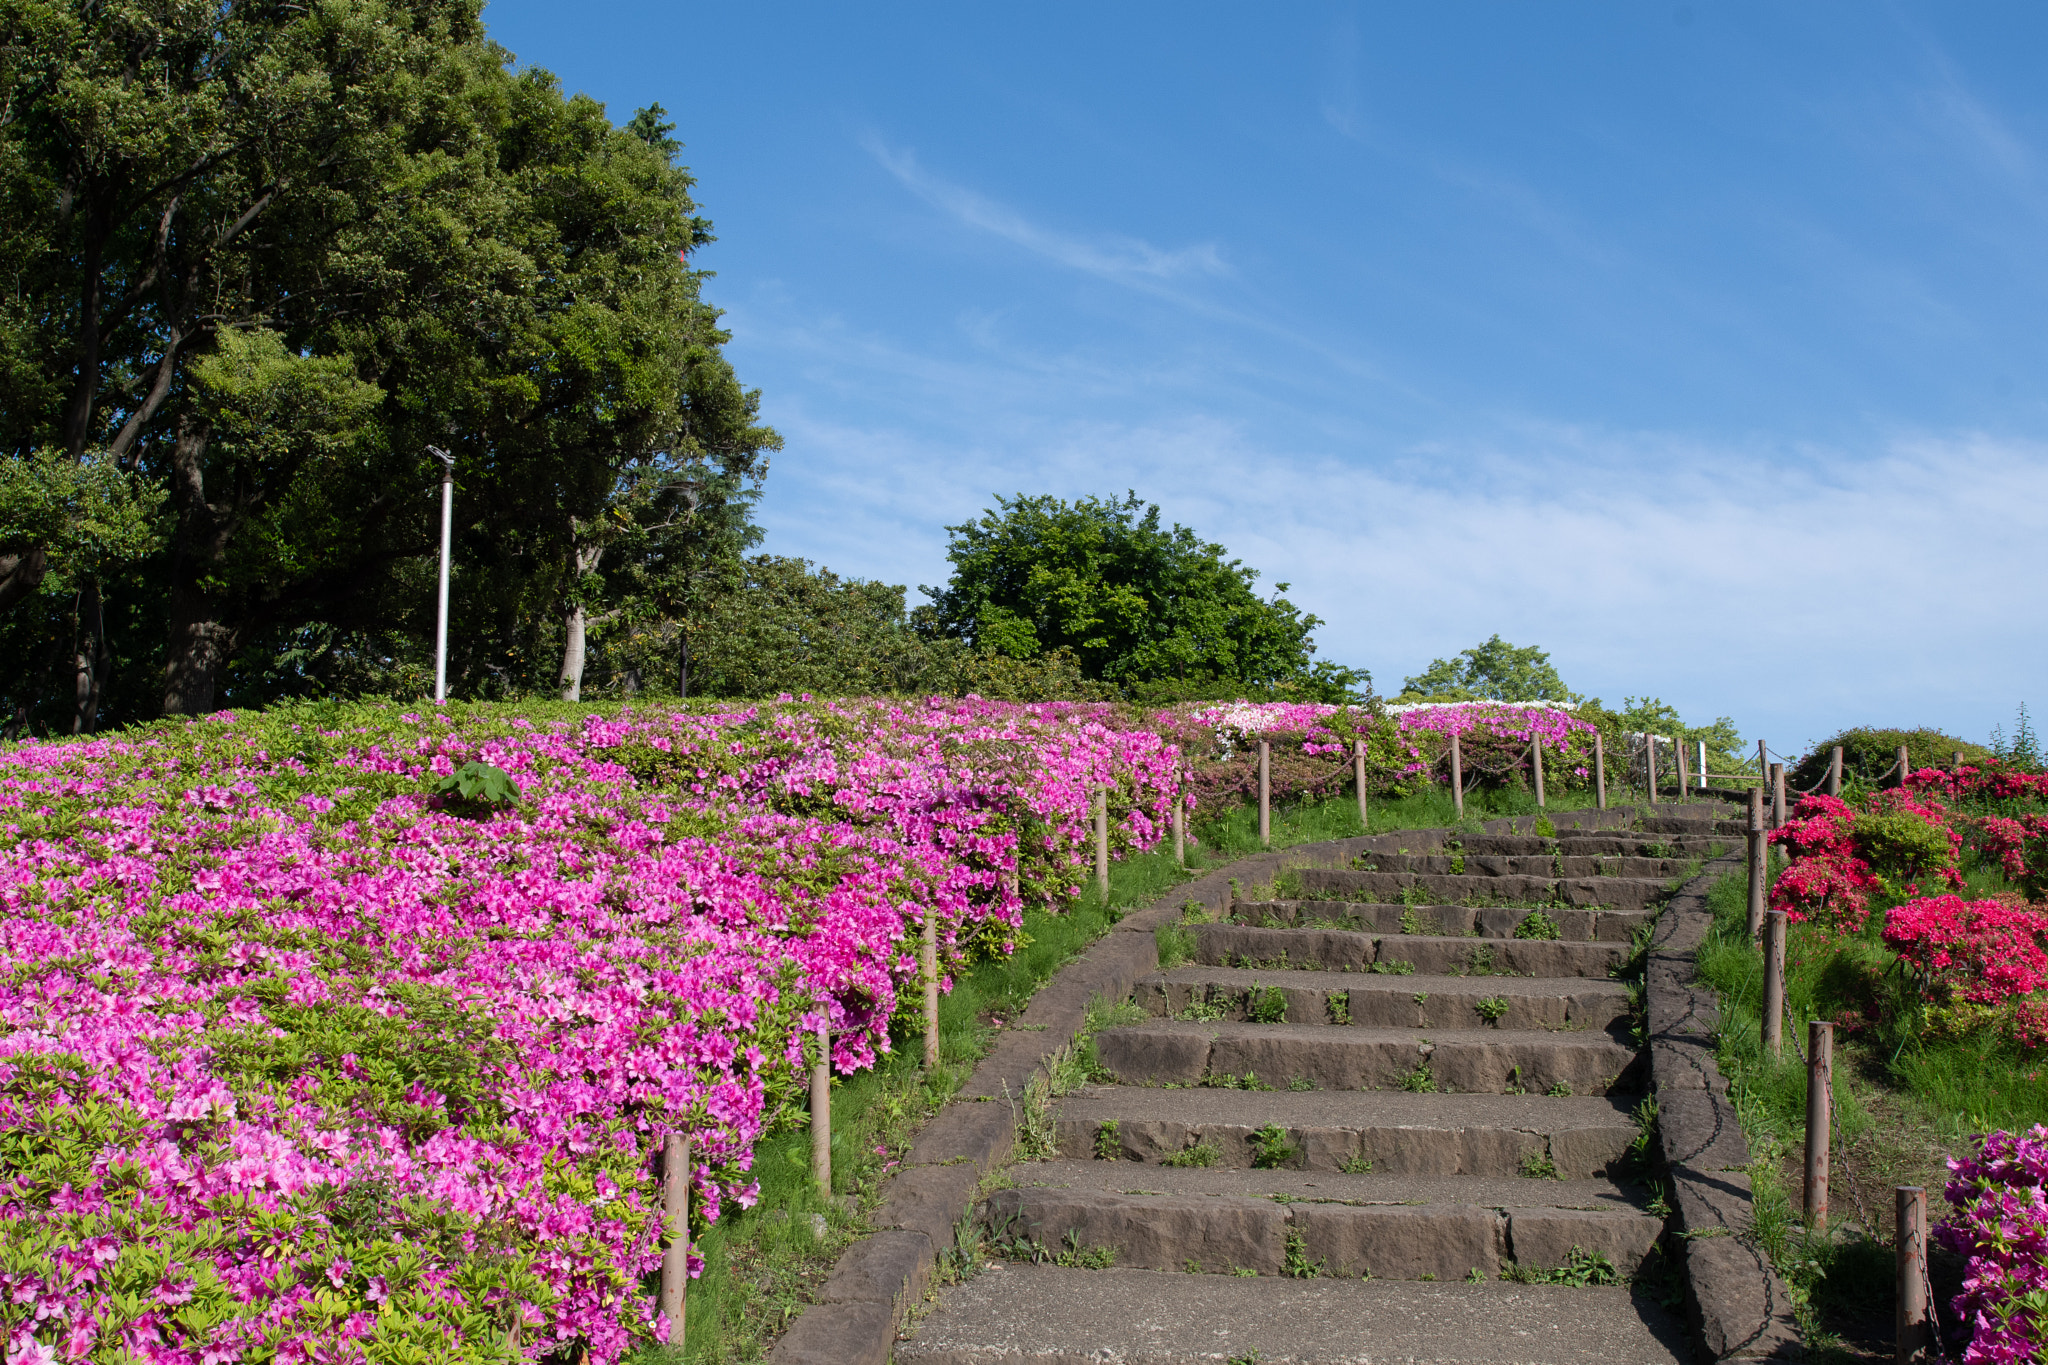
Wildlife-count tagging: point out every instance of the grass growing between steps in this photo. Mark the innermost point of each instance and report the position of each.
(1905, 1099)
(762, 1265)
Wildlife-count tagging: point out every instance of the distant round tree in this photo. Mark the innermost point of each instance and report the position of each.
(1148, 609)
(1493, 671)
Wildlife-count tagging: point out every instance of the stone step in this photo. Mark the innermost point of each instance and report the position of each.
(1012, 1314)
(1389, 1001)
(1612, 893)
(1470, 864)
(1592, 843)
(1242, 945)
(1494, 921)
(1442, 1239)
(1332, 1187)
(1486, 1061)
(1388, 1132)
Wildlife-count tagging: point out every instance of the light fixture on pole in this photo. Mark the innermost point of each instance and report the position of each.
(447, 534)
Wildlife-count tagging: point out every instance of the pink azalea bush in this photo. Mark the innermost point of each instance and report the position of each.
(299, 1060)
(1985, 951)
(2000, 1224)
(1828, 880)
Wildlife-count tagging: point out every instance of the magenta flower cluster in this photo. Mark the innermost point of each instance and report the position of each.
(1507, 723)
(301, 1061)
(1999, 1224)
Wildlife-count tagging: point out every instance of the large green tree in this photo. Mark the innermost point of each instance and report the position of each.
(1492, 671)
(258, 260)
(1138, 603)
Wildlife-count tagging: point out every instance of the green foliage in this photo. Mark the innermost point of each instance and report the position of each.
(480, 784)
(1581, 1268)
(1538, 925)
(1159, 613)
(1492, 671)
(1201, 1154)
(1420, 1081)
(1270, 1147)
(1265, 1004)
(1900, 846)
(1539, 1166)
(1108, 1146)
(1492, 1008)
(1866, 752)
(1296, 1264)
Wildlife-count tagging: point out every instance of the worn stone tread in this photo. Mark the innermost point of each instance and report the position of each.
(1426, 954)
(1615, 893)
(1455, 921)
(1047, 1315)
(1465, 1060)
(1471, 863)
(1496, 1192)
(1399, 1132)
(1393, 1001)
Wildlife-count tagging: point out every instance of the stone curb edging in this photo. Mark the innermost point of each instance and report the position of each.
(881, 1277)
(1738, 1306)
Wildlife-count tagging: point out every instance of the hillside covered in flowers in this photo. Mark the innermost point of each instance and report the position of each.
(349, 1032)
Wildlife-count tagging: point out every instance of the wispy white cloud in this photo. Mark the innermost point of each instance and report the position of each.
(1110, 256)
(1794, 590)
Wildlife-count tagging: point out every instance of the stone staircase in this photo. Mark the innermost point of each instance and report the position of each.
(1399, 1114)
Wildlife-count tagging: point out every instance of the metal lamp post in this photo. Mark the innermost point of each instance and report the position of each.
(447, 534)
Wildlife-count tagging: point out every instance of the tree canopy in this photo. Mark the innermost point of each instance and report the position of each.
(254, 262)
(1492, 671)
(1150, 609)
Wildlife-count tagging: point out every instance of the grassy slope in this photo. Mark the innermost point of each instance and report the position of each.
(1905, 1099)
(762, 1265)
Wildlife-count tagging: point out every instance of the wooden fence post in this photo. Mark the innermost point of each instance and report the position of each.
(1684, 776)
(675, 1251)
(1457, 778)
(1763, 764)
(1835, 772)
(1958, 765)
(1820, 1084)
(1905, 765)
(1599, 771)
(1265, 794)
(1758, 871)
(931, 990)
(1358, 777)
(1536, 765)
(1910, 1324)
(1774, 981)
(821, 1113)
(1180, 829)
(1102, 843)
(1777, 795)
(1650, 756)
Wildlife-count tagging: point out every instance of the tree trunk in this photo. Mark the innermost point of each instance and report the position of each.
(21, 573)
(201, 642)
(683, 666)
(576, 621)
(90, 660)
(572, 653)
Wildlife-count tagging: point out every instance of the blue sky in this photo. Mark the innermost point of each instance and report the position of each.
(1701, 345)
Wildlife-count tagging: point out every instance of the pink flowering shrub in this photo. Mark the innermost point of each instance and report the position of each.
(1983, 951)
(1495, 737)
(298, 1061)
(1828, 881)
(1999, 1224)
(1992, 782)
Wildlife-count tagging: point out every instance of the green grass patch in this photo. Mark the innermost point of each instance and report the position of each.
(1904, 1093)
